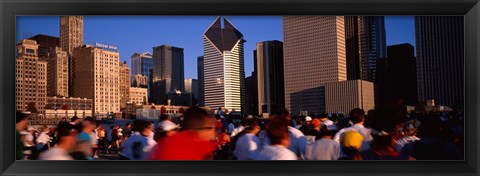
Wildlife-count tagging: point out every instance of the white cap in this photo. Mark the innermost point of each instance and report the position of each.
(249, 117)
(329, 124)
(167, 125)
(308, 118)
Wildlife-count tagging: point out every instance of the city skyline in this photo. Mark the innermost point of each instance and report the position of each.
(399, 29)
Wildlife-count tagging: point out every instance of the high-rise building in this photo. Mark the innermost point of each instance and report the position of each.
(168, 72)
(139, 81)
(398, 76)
(224, 74)
(271, 90)
(31, 78)
(124, 83)
(191, 86)
(142, 64)
(251, 89)
(57, 77)
(71, 33)
(365, 43)
(344, 96)
(138, 96)
(314, 54)
(97, 77)
(45, 43)
(251, 95)
(201, 87)
(71, 37)
(440, 59)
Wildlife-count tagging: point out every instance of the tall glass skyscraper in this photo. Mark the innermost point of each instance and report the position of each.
(224, 75)
(142, 64)
(365, 43)
(168, 72)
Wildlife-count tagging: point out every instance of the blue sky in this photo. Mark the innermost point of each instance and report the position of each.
(140, 33)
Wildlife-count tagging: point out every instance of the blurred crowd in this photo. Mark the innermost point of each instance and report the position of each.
(383, 134)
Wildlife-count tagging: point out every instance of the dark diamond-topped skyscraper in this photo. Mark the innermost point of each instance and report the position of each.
(223, 66)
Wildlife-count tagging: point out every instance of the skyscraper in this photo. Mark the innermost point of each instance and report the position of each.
(201, 87)
(57, 82)
(124, 83)
(141, 63)
(31, 78)
(271, 90)
(71, 37)
(168, 72)
(191, 86)
(224, 76)
(97, 77)
(440, 59)
(314, 54)
(45, 43)
(71, 33)
(251, 89)
(397, 77)
(365, 43)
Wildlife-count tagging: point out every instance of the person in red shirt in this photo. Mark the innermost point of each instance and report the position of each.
(196, 141)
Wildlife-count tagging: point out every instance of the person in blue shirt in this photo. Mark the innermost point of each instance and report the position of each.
(87, 134)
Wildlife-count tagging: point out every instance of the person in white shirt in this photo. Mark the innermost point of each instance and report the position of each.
(247, 145)
(325, 148)
(278, 134)
(357, 117)
(67, 138)
(298, 141)
(139, 145)
(43, 139)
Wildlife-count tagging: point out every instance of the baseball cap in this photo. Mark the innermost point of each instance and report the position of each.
(352, 139)
(308, 118)
(329, 124)
(167, 125)
(316, 122)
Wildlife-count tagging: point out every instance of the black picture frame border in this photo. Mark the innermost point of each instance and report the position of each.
(9, 9)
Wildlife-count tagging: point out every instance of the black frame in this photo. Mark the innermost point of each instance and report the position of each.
(9, 9)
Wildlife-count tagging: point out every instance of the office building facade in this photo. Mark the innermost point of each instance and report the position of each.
(31, 78)
(124, 83)
(139, 81)
(191, 86)
(201, 87)
(45, 43)
(97, 77)
(314, 54)
(440, 59)
(57, 77)
(365, 43)
(397, 79)
(168, 72)
(269, 63)
(71, 37)
(344, 96)
(224, 76)
(138, 95)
